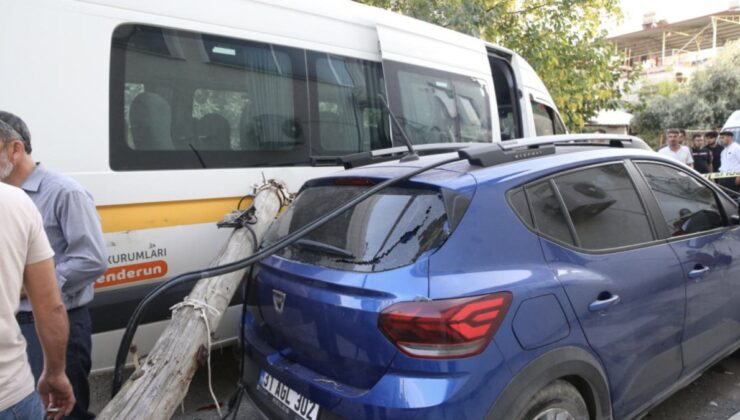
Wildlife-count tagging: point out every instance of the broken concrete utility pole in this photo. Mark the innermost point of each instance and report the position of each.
(157, 388)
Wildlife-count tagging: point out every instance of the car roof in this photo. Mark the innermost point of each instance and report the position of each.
(453, 175)
(571, 157)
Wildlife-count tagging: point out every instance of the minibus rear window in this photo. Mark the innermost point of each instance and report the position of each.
(388, 230)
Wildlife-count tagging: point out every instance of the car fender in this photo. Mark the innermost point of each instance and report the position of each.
(572, 363)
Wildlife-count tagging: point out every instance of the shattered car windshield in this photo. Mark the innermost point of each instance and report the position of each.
(388, 230)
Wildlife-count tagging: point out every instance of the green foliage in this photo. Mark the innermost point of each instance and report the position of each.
(705, 102)
(561, 39)
(647, 92)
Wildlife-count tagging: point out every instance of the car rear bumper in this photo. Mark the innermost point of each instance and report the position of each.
(407, 398)
(402, 392)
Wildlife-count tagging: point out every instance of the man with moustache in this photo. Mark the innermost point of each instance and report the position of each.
(675, 150)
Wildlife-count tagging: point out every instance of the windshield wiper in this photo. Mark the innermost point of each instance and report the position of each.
(412, 155)
(321, 246)
(197, 154)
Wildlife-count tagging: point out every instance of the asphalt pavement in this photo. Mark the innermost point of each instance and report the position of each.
(713, 396)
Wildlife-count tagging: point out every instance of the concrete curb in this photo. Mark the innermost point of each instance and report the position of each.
(735, 416)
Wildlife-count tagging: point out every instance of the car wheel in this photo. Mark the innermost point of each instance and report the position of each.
(559, 400)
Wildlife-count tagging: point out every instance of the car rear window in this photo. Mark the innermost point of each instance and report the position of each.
(388, 230)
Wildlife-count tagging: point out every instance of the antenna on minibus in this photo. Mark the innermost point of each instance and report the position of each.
(412, 155)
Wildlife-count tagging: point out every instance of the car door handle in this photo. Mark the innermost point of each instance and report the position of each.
(698, 271)
(602, 304)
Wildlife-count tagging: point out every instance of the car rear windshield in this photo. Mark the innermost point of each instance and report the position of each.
(388, 230)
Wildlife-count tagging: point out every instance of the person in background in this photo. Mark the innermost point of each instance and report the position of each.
(710, 138)
(730, 160)
(676, 151)
(26, 264)
(701, 155)
(682, 137)
(73, 228)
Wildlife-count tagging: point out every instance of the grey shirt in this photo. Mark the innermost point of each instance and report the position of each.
(73, 226)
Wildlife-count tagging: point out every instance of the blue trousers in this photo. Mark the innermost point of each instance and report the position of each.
(29, 408)
(79, 347)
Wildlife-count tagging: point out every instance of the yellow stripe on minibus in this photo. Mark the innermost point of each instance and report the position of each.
(124, 217)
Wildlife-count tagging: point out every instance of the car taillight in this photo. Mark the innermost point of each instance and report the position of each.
(354, 182)
(448, 328)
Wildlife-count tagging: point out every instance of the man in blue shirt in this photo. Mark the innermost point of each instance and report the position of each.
(73, 227)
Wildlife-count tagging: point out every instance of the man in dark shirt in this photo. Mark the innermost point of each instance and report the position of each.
(711, 139)
(702, 156)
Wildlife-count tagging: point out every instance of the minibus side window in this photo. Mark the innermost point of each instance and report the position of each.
(217, 116)
(132, 90)
(262, 115)
(347, 116)
(438, 107)
(187, 100)
(559, 125)
(546, 120)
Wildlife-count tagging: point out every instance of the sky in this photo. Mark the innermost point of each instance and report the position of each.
(670, 10)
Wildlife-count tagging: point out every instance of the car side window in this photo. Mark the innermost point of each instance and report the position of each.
(730, 206)
(604, 207)
(688, 206)
(547, 213)
(518, 201)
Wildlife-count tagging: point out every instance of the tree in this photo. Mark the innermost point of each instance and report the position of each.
(561, 39)
(705, 102)
(718, 87)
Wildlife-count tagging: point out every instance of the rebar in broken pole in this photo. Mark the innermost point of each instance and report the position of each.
(156, 389)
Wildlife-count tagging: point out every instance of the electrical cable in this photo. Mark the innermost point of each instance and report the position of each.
(241, 200)
(288, 240)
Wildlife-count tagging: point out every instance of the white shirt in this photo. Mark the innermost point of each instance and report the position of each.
(730, 158)
(22, 242)
(683, 154)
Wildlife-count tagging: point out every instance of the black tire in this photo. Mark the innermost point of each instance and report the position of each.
(557, 397)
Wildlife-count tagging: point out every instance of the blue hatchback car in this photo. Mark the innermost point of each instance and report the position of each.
(551, 278)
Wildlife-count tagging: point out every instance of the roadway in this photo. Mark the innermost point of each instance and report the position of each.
(714, 396)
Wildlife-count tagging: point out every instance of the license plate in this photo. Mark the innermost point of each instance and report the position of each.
(288, 399)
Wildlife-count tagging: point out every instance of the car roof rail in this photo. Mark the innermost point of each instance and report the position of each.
(512, 150)
(392, 153)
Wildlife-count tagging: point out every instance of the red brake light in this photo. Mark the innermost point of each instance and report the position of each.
(354, 182)
(441, 329)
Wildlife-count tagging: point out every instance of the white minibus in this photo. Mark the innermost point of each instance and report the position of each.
(168, 112)
(733, 125)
